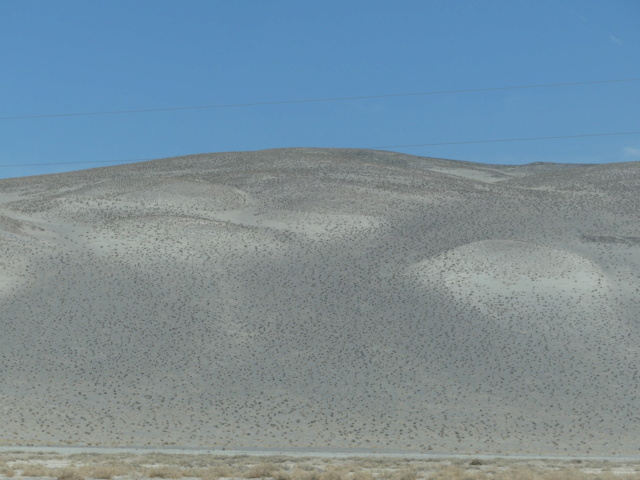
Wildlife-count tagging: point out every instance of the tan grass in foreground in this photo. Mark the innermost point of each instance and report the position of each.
(211, 467)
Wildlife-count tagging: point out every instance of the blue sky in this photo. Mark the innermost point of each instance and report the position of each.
(69, 56)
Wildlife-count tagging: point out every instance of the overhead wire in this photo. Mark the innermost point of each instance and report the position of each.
(520, 139)
(314, 100)
(463, 142)
(333, 99)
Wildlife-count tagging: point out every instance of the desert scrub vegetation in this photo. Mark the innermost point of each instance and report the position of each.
(214, 472)
(34, 470)
(6, 470)
(262, 470)
(215, 467)
(106, 472)
(404, 474)
(361, 475)
(454, 472)
(68, 473)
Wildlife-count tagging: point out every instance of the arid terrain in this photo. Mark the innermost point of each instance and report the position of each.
(323, 298)
(158, 465)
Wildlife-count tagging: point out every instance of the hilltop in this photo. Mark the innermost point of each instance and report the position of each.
(324, 298)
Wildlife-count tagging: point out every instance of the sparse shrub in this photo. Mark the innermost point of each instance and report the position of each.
(6, 470)
(163, 472)
(521, 473)
(451, 473)
(303, 474)
(405, 474)
(68, 474)
(36, 470)
(214, 473)
(106, 472)
(331, 475)
(361, 475)
(282, 475)
(307, 467)
(565, 474)
(262, 470)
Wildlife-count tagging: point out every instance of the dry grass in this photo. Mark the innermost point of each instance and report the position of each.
(218, 471)
(68, 473)
(405, 474)
(107, 472)
(262, 470)
(6, 470)
(525, 473)
(362, 475)
(164, 472)
(211, 467)
(35, 470)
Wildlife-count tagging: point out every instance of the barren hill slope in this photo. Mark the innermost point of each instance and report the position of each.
(311, 297)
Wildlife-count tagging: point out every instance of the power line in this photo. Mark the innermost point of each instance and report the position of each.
(315, 100)
(464, 142)
(120, 162)
(522, 139)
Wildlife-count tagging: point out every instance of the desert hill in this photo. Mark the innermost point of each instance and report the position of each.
(325, 298)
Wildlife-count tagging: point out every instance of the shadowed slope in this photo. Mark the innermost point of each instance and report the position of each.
(336, 298)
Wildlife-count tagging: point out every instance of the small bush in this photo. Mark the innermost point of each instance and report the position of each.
(303, 474)
(405, 474)
(331, 475)
(281, 475)
(36, 471)
(214, 473)
(105, 472)
(68, 474)
(163, 472)
(361, 475)
(451, 473)
(262, 470)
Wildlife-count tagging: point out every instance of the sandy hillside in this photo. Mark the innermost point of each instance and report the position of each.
(324, 298)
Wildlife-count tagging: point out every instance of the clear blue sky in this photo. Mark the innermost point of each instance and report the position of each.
(68, 56)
